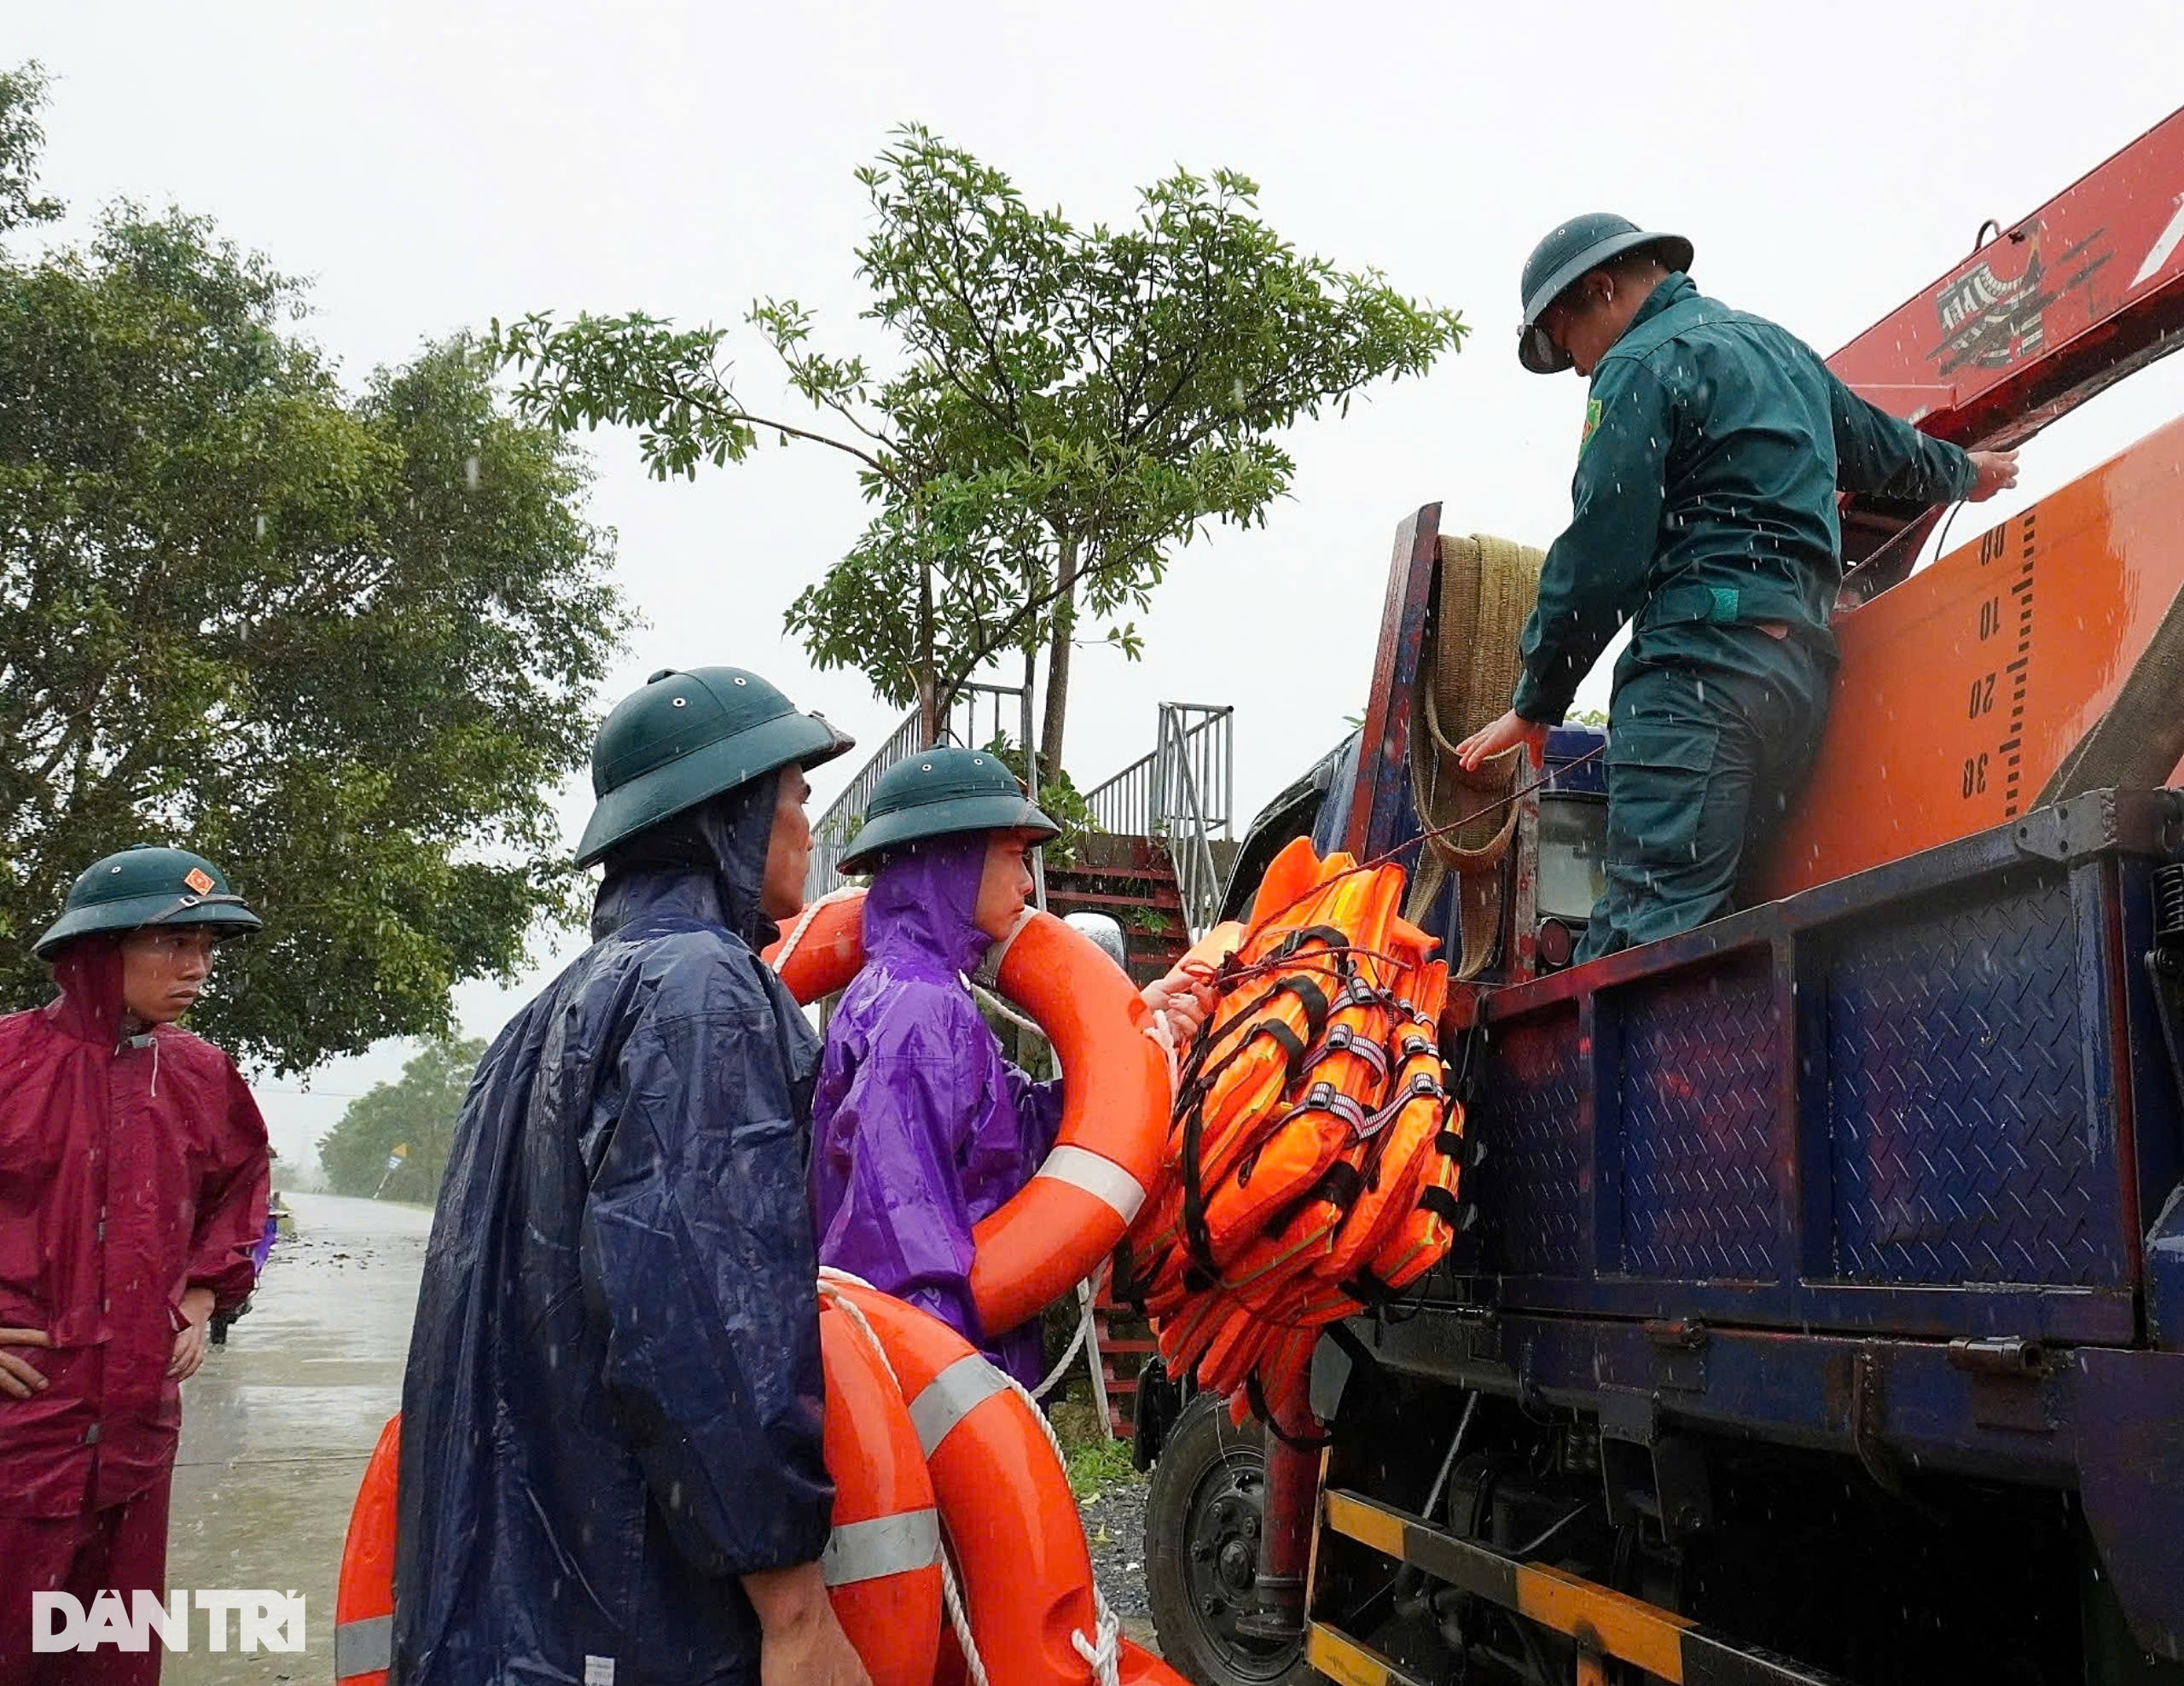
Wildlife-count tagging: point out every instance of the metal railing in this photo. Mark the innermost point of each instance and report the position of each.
(832, 832)
(1181, 793)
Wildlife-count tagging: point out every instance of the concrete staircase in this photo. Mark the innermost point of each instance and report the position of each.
(1130, 880)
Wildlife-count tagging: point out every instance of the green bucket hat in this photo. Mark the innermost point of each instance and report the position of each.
(943, 792)
(688, 735)
(1575, 249)
(148, 885)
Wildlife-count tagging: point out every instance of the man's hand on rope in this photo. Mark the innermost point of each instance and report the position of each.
(1502, 735)
(1182, 1000)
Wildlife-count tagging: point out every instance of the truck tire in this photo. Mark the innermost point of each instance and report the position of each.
(1202, 1512)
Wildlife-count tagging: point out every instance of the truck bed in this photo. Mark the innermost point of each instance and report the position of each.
(1930, 1099)
(1870, 1169)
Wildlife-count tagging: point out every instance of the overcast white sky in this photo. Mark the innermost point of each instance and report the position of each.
(434, 165)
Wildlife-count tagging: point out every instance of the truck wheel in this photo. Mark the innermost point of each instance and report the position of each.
(1203, 1513)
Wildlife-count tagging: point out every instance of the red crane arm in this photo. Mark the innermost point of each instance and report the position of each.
(2055, 307)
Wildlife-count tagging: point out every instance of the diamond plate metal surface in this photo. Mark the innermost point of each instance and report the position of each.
(1700, 1057)
(1531, 1183)
(1960, 1125)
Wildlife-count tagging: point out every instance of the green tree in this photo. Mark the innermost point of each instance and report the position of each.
(22, 139)
(1059, 799)
(345, 645)
(1072, 405)
(416, 1112)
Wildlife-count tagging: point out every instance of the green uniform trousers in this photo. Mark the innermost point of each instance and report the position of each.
(1702, 760)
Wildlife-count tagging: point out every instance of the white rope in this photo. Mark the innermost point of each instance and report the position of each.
(1103, 1650)
(1106, 1656)
(1164, 1040)
(997, 1004)
(804, 922)
(1061, 1368)
(952, 1593)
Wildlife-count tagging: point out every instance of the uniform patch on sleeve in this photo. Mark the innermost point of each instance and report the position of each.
(1592, 424)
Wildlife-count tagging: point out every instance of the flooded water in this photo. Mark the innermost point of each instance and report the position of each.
(278, 1423)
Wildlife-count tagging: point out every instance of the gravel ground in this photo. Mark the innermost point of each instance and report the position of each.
(1114, 1529)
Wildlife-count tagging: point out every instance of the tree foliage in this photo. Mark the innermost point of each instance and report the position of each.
(22, 140)
(1071, 405)
(416, 1112)
(344, 645)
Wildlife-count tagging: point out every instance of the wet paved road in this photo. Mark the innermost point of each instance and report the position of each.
(277, 1425)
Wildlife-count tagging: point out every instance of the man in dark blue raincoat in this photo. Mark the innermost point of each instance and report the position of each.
(610, 1455)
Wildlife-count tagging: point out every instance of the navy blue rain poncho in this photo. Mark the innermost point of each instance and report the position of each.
(613, 1400)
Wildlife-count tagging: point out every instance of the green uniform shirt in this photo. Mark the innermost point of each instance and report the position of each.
(1705, 496)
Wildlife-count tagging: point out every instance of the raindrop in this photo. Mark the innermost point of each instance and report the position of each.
(470, 471)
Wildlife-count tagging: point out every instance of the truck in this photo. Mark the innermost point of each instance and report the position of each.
(1820, 1314)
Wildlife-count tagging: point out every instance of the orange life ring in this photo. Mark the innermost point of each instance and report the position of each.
(1013, 1524)
(1116, 1097)
(881, 1564)
(1139, 1666)
(363, 1596)
(1142, 1668)
(882, 1561)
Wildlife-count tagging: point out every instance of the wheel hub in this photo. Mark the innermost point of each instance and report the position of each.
(1222, 1563)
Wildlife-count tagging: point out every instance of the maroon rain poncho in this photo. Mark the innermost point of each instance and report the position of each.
(132, 1170)
(919, 1126)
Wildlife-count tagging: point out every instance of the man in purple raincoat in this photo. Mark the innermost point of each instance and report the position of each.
(921, 1127)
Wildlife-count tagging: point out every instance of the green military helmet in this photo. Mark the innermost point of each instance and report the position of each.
(148, 885)
(1576, 249)
(943, 792)
(688, 735)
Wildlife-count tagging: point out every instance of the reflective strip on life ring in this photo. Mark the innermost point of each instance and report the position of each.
(882, 1561)
(1011, 1522)
(363, 1650)
(1102, 1178)
(363, 1594)
(881, 1546)
(951, 1395)
(1116, 1098)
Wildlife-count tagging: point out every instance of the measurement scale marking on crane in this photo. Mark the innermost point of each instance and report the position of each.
(1963, 690)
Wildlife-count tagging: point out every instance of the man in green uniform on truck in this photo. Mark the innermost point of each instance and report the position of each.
(1704, 512)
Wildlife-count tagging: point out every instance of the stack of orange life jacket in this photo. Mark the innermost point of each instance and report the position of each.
(1314, 1152)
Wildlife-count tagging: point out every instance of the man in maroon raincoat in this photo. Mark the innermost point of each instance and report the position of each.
(132, 1186)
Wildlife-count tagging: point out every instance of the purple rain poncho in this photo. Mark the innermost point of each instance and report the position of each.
(919, 1126)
